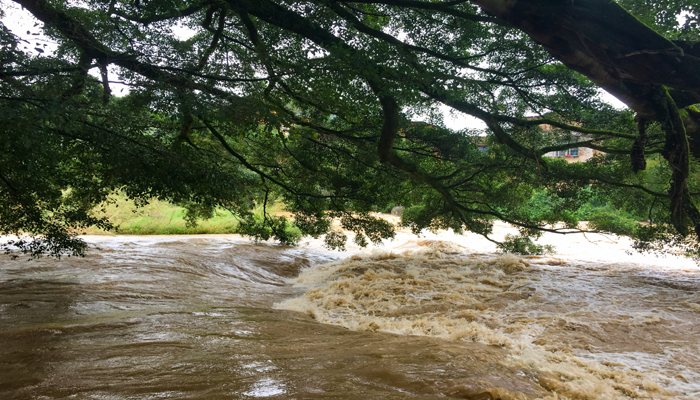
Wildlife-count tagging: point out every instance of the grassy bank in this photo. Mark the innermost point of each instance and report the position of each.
(159, 218)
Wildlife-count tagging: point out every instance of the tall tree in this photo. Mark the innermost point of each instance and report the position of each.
(316, 101)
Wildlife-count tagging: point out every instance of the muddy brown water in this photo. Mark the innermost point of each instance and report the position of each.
(220, 318)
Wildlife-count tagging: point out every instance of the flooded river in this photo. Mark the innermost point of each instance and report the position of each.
(443, 316)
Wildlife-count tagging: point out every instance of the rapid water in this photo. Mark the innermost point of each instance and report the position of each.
(216, 317)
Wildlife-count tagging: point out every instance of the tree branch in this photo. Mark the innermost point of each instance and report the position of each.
(162, 17)
(444, 7)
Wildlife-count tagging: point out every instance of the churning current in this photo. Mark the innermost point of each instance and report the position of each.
(442, 316)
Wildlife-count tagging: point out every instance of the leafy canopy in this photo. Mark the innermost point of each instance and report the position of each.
(317, 103)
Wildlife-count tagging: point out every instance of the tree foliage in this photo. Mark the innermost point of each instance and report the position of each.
(232, 103)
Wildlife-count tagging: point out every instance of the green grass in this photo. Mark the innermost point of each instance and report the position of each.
(159, 218)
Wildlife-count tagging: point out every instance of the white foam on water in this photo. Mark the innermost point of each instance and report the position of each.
(584, 328)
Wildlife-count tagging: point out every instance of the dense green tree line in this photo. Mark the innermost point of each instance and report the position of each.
(316, 102)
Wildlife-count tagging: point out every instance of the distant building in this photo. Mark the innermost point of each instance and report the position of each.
(573, 154)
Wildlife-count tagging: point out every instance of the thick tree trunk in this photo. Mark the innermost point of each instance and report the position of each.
(604, 42)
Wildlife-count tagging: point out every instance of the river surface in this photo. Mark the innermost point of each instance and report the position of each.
(442, 316)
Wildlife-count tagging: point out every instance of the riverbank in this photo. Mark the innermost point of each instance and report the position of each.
(158, 218)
